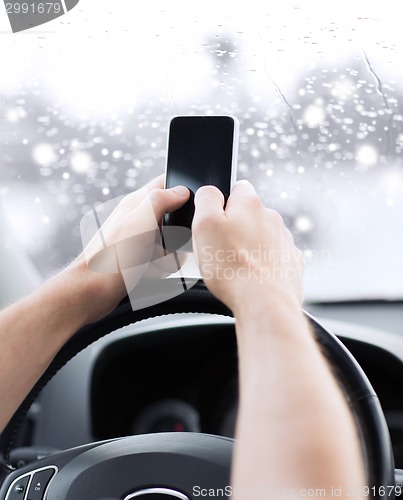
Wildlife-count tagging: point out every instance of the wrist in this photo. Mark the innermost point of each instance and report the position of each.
(52, 314)
(91, 295)
(69, 291)
(256, 300)
(267, 317)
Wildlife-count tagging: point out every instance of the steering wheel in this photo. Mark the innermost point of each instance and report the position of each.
(158, 466)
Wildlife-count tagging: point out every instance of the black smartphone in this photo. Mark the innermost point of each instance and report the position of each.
(201, 150)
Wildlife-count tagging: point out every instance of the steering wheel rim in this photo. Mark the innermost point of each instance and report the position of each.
(360, 395)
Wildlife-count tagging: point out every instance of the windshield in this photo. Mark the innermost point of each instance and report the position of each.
(85, 102)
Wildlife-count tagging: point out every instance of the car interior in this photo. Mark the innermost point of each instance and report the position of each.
(144, 402)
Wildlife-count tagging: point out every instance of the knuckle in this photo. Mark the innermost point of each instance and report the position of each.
(252, 202)
(202, 222)
(155, 195)
(126, 200)
(300, 256)
(155, 192)
(274, 217)
(289, 235)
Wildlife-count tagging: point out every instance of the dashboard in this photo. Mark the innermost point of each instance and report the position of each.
(178, 380)
(179, 373)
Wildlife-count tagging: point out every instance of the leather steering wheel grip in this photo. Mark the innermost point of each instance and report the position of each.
(360, 395)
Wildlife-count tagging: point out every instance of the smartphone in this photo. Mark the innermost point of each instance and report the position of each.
(201, 150)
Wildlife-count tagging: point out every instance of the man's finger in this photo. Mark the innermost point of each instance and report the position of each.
(242, 194)
(157, 183)
(209, 202)
(133, 200)
(168, 200)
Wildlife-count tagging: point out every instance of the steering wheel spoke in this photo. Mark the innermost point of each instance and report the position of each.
(117, 469)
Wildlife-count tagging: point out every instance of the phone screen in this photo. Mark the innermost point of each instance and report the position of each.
(200, 152)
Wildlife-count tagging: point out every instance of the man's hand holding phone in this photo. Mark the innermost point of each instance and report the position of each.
(244, 250)
(127, 247)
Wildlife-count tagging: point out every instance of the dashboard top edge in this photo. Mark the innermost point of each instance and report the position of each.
(384, 339)
(167, 322)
